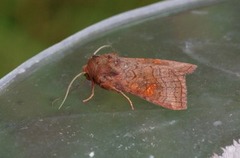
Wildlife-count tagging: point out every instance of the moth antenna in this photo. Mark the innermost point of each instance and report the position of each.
(104, 46)
(129, 100)
(92, 94)
(68, 89)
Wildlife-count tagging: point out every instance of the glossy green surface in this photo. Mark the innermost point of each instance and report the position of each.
(30, 126)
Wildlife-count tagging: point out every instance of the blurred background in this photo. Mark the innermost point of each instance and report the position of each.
(29, 26)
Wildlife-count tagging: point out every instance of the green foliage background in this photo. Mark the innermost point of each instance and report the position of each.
(29, 26)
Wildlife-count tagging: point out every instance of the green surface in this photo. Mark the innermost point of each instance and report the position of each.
(30, 126)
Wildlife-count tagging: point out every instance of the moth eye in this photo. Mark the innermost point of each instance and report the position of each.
(87, 76)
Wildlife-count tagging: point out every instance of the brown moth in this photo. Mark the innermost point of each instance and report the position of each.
(161, 82)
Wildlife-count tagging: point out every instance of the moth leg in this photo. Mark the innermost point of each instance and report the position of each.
(92, 93)
(129, 100)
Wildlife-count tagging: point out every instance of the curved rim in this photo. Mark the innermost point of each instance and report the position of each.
(164, 8)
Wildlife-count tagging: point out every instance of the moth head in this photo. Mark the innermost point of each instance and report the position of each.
(91, 68)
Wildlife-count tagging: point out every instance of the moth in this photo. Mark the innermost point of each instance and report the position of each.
(162, 82)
